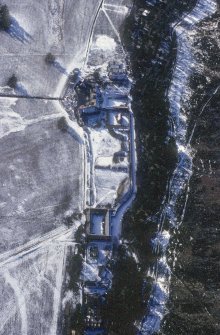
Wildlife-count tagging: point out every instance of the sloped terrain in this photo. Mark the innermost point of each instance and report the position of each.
(194, 302)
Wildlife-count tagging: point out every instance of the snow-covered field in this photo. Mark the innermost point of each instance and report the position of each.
(41, 173)
(38, 186)
(42, 167)
(61, 27)
(31, 280)
(30, 292)
(57, 26)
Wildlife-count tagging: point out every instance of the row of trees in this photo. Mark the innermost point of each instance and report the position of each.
(5, 23)
(13, 80)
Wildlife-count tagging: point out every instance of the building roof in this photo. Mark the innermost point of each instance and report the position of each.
(124, 121)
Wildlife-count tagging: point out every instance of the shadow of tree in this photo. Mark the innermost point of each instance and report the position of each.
(21, 90)
(73, 133)
(63, 126)
(60, 68)
(17, 32)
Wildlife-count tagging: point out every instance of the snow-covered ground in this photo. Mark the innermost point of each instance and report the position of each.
(57, 26)
(105, 43)
(42, 170)
(61, 27)
(108, 185)
(38, 186)
(103, 143)
(41, 183)
(30, 291)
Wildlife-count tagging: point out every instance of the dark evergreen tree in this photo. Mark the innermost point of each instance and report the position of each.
(12, 81)
(62, 125)
(50, 58)
(5, 19)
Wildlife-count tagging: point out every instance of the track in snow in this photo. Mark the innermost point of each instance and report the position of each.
(58, 235)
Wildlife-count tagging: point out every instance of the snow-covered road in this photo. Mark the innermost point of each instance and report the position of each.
(117, 218)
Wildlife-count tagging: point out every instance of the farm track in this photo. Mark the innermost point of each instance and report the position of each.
(92, 30)
(15, 96)
(61, 234)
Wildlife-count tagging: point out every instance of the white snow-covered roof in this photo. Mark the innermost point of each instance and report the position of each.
(124, 121)
(112, 119)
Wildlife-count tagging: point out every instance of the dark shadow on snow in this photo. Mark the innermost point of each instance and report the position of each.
(17, 32)
(60, 68)
(20, 90)
(74, 134)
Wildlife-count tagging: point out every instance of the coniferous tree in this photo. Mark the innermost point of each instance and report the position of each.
(50, 58)
(5, 19)
(12, 81)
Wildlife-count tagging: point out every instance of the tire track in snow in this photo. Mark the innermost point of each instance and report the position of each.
(112, 25)
(20, 301)
(57, 293)
(103, 7)
(91, 31)
(116, 8)
(10, 257)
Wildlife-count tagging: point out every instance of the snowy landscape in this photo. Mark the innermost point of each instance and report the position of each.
(43, 171)
(106, 167)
